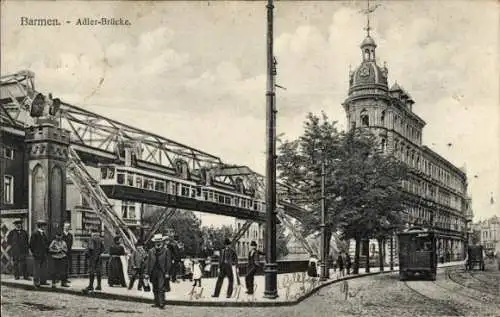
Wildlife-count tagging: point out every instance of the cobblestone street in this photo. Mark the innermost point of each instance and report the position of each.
(455, 293)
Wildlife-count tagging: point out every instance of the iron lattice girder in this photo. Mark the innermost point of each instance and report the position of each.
(165, 215)
(101, 136)
(237, 236)
(98, 200)
(283, 217)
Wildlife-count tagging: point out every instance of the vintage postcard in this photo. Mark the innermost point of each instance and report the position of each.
(250, 158)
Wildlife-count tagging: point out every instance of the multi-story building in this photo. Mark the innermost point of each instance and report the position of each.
(489, 232)
(254, 233)
(436, 189)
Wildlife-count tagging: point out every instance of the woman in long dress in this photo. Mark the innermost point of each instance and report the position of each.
(116, 275)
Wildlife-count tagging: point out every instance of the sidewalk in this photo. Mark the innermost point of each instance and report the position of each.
(292, 288)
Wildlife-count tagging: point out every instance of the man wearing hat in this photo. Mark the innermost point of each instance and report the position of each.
(68, 238)
(253, 266)
(19, 249)
(39, 246)
(227, 259)
(95, 247)
(159, 265)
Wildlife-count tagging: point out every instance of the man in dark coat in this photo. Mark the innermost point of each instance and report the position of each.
(253, 266)
(173, 246)
(19, 249)
(68, 238)
(227, 259)
(159, 265)
(39, 246)
(95, 248)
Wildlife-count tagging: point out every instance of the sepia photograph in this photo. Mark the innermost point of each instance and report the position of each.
(272, 158)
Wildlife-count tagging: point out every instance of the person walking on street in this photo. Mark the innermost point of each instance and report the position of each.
(68, 238)
(139, 258)
(253, 266)
(39, 246)
(95, 248)
(58, 252)
(227, 259)
(159, 266)
(19, 250)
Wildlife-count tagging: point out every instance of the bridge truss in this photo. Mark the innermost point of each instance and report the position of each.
(97, 139)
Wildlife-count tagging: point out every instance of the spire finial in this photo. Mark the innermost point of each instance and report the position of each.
(367, 12)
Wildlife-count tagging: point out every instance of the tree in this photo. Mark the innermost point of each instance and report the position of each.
(300, 165)
(362, 184)
(186, 226)
(214, 237)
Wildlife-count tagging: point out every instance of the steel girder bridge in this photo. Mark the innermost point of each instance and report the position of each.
(96, 140)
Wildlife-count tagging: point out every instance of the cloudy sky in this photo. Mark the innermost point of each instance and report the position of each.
(195, 71)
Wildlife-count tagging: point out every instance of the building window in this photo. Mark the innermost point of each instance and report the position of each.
(382, 118)
(365, 121)
(128, 210)
(8, 189)
(9, 153)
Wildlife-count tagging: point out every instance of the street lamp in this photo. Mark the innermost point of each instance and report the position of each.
(270, 270)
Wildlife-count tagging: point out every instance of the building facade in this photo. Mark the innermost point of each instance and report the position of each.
(254, 233)
(436, 189)
(489, 232)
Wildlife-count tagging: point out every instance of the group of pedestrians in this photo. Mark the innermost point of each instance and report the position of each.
(343, 263)
(158, 266)
(51, 259)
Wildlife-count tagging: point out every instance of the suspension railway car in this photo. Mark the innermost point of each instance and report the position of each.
(166, 184)
(417, 253)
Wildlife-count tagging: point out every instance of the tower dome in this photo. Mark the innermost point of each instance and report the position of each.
(368, 78)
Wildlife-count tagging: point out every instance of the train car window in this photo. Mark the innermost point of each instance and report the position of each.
(243, 203)
(193, 192)
(184, 190)
(160, 186)
(104, 173)
(198, 191)
(150, 184)
(130, 179)
(205, 195)
(120, 178)
(237, 201)
(227, 200)
(221, 199)
(111, 173)
(138, 181)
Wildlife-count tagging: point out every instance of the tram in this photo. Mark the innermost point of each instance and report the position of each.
(417, 254)
(156, 182)
(475, 257)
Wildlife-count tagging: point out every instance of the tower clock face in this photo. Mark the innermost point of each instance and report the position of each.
(364, 72)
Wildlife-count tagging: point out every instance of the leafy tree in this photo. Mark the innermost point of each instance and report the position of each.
(213, 238)
(186, 226)
(362, 186)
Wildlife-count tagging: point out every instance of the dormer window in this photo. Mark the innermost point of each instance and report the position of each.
(365, 121)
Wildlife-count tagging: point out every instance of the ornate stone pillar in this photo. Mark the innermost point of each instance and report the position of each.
(47, 153)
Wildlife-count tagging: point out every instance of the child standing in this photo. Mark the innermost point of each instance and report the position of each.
(197, 272)
(58, 251)
(138, 265)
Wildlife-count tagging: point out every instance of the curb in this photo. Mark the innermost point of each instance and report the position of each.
(109, 296)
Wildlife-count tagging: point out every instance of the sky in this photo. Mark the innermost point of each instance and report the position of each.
(195, 72)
